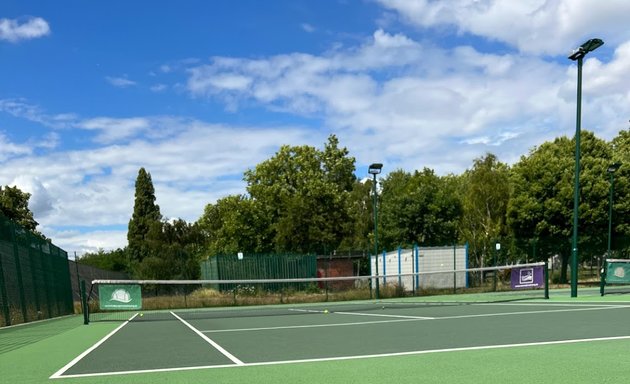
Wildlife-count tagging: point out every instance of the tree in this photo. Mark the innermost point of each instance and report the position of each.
(485, 194)
(146, 217)
(541, 208)
(360, 223)
(232, 225)
(420, 208)
(621, 198)
(174, 249)
(115, 260)
(303, 193)
(14, 205)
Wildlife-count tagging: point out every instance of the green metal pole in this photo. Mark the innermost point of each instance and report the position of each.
(602, 271)
(610, 211)
(376, 236)
(546, 277)
(84, 305)
(495, 271)
(576, 187)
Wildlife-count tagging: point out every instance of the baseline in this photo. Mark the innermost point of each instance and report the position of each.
(340, 358)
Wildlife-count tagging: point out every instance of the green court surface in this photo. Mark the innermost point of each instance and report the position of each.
(560, 340)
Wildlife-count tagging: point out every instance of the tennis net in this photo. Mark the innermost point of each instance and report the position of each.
(143, 300)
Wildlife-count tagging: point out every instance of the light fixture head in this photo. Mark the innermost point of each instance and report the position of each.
(585, 48)
(375, 168)
(613, 167)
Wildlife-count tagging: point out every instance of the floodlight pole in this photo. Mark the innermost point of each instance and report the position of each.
(374, 170)
(578, 55)
(576, 187)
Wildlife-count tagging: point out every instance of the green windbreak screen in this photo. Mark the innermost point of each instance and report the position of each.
(34, 277)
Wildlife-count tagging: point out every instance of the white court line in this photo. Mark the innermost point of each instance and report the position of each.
(219, 348)
(410, 318)
(362, 314)
(384, 315)
(619, 304)
(306, 326)
(306, 310)
(532, 312)
(58, 374)
(357, 357)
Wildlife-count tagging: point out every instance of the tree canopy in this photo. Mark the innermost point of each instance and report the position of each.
(14, 205)
(146, 217)
(308, 200)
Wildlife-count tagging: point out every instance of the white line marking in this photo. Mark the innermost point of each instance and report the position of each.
(305, 310)
(384, 315)
(210, 341)
(58, 374)
(306, 326)
(408, 318)
(530, 312)
(361, 314)
(560, 304)
(323, 359)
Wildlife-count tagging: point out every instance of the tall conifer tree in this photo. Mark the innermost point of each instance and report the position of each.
(146, 214)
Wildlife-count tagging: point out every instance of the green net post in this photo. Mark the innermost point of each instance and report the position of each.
(602, 278)
(546, 277)
(84, 306)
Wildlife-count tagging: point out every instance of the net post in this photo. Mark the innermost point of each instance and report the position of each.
(602, 278)
(84, 306)
(546, 277)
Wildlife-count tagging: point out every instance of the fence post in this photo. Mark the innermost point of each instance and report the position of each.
(84, 305)
(31, 258)
(399, 266)
(417, 266)
(384, 267)
(454, 267)
(46, 272)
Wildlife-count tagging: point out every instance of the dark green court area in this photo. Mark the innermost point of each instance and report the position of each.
(304, 334)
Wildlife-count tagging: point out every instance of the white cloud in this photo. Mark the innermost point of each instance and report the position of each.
(195, 165)
(532, 26)
(158, 88)
(41, 202)
(307, 27)
(112, 129)
(120, 82)
(403, 98)
(9, 149)
(21, 108)
(13, 30)
(83, 242)
(408, 103)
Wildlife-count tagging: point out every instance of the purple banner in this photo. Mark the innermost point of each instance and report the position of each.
(528, 277)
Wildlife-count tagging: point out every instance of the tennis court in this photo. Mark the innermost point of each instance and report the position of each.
(311, 334)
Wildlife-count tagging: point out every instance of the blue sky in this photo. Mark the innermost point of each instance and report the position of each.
(197, 92)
